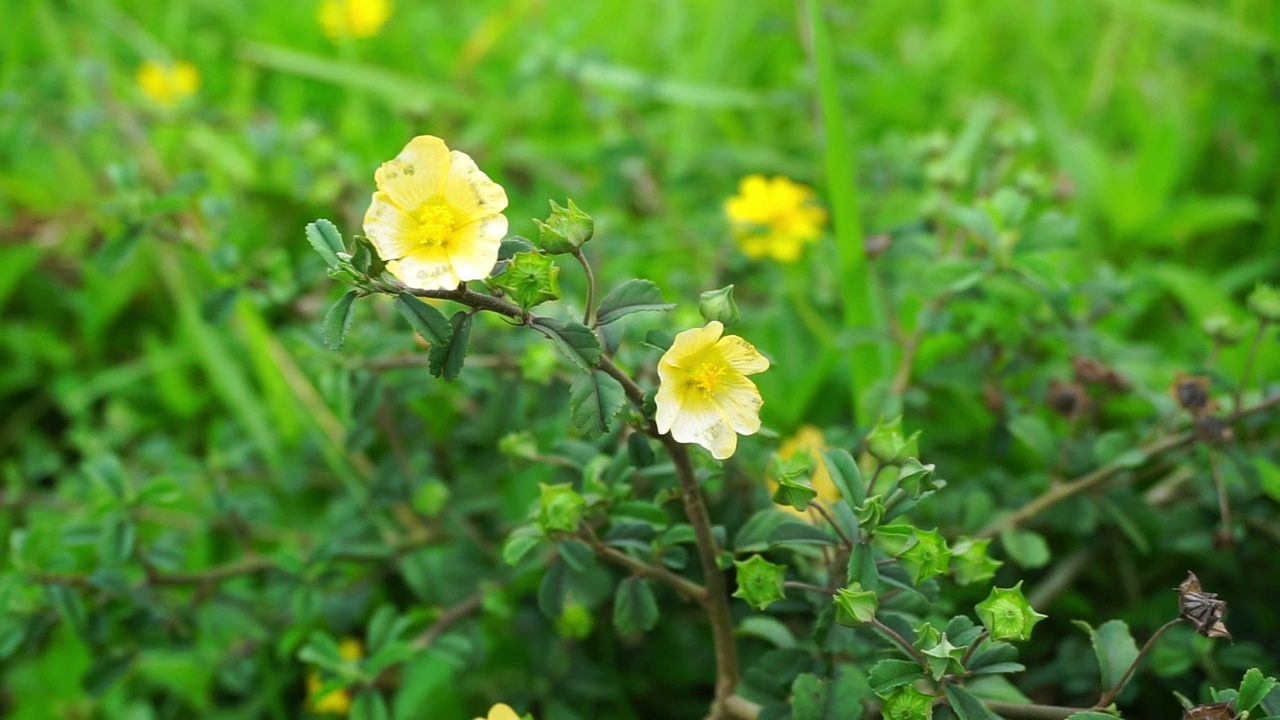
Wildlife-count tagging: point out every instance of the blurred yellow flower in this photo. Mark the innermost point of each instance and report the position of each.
(436, 219)
(353, 18)
(337, 702)
(168, 84)
(704, 396)
(501, 711)
(809, 439)
(774, 218)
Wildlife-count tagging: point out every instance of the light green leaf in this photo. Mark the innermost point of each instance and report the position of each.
(338, 321)
(632, 296)
(326, 240)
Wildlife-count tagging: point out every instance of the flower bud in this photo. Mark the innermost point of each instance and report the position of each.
(566, 230)
(560, 508)
(759, 582)
(1007, 615)
(887, 444)
(719, 305)
(855, 606)
(1264, 302)
(1222, 330)
(917, 479)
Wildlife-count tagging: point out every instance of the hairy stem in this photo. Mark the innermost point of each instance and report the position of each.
(588, 315)
(679, 583)
(901, 641)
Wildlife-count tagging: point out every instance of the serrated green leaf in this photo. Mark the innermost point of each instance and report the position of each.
(834, 699)
(889, 674)
(594, 399)
(338, 321)
(326, 240)
(445, 359)
(575, 340)
(1253, 688)
(429, 322)
(632, 296)
(1115, 648)
(635, 609)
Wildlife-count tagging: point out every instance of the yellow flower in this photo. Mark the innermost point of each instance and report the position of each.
(436, 218)
(774, 218)
(501, 711)
(704, 396)
(809, 439)
(168, 84)
(353, 18)
(337, 702)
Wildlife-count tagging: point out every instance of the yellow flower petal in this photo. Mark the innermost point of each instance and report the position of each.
(739, 402)
(477, 245)
(353, 18)
(502, 711)
(470, 192)
(417, 175)
(690, 342)
(426, 268)
(774, 217)
(168, 84)
(700, 422)
(742, 355)
(390, 229)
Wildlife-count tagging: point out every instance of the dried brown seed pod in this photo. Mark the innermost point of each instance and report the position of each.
(1203, 610)
(1067, 398)
(1216, 711)
(1192, 393)
(1091, 371)
(1211, 428)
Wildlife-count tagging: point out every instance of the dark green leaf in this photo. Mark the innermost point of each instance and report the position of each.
(1115, 648)
(512, 245)
(639, 451)
(574, 339)
(660, 339)
(1253, 688)
(326, 240)
(445, 359)
(863, 568)
(635, 609)
(755, 534)
(836, 699)
(797, 533)
(369, 705)
(578, 555)
(965, 704)
(631, 296)
(104, 671)
(888, 674)
(552, 590)
(338, 321)
(847, 476)
(429, 322)
(594, 399)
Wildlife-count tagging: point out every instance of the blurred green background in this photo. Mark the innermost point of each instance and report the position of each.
(159, 304)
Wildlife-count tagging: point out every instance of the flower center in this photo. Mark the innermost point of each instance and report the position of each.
(435, 225)
(707, 376)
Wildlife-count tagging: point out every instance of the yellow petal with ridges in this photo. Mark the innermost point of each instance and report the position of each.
(417, 175)
(391, 230)
(473, 251)
(469, 191)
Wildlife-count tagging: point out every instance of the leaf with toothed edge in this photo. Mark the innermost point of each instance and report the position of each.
(593, 401)
(428, 321)
(574, 339)
(445, 359)
(326, 240)
(338, 321)
(632, 296)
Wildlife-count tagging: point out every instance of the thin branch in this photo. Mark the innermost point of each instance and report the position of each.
(1248, 363)
(1220, 486)
(1019, 711)
(1062, 491)
(687, 588)
(588, 315)
(827, 514)
(1109, 695)
(808, 587)
(448, 619)
(901, 641)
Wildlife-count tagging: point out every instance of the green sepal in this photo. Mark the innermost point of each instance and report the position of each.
(560, 507)
(1007, 615)
(855, 606)
(760, 582)
(530, 279)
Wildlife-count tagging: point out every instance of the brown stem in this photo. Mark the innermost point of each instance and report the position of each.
(717, 600)
(1109, 695)
(1062, 491)
(1220, 486)
(687, 588)
(832, 521)
(806, 586)
(901, 641)
(448, 619)
(1018, 711)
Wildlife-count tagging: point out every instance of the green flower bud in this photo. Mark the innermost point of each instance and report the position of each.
(560, 508)
(906, 703)
(1222, 330)
(944, 658)
(566, 230)
(759, 582)
(530, 279)
(887, 444)
(1264, 302)
(430, 498)
(794, 493)
(855, 606)
(870, 513)
(576, 622)
(719, 305)
(917, 479)
(893, 539)
(926, 557)
(970, 562)
(1007, 615)
(927, 636)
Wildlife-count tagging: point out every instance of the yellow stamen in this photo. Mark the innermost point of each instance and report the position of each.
(707, 377)
(435, 225)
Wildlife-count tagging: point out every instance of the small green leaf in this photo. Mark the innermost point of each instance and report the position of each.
(445, 359)
(970, 562)
(889, 674)
(888, 444)
(574, 339)
(965, 704)
(813, 698)
(635, 609)
(1253, 688)
(632, 296)
(862, 567)
(338, 321)
(797, 533)
(1025, 547)
(326, 240)
(1114, 647)
(577, 554)
(429, 322)
(760, 582)
(594, 399)
(846, 475)
(322, 651)
(552, 590)
(513, 245)
(522, 540)
(917, 479)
